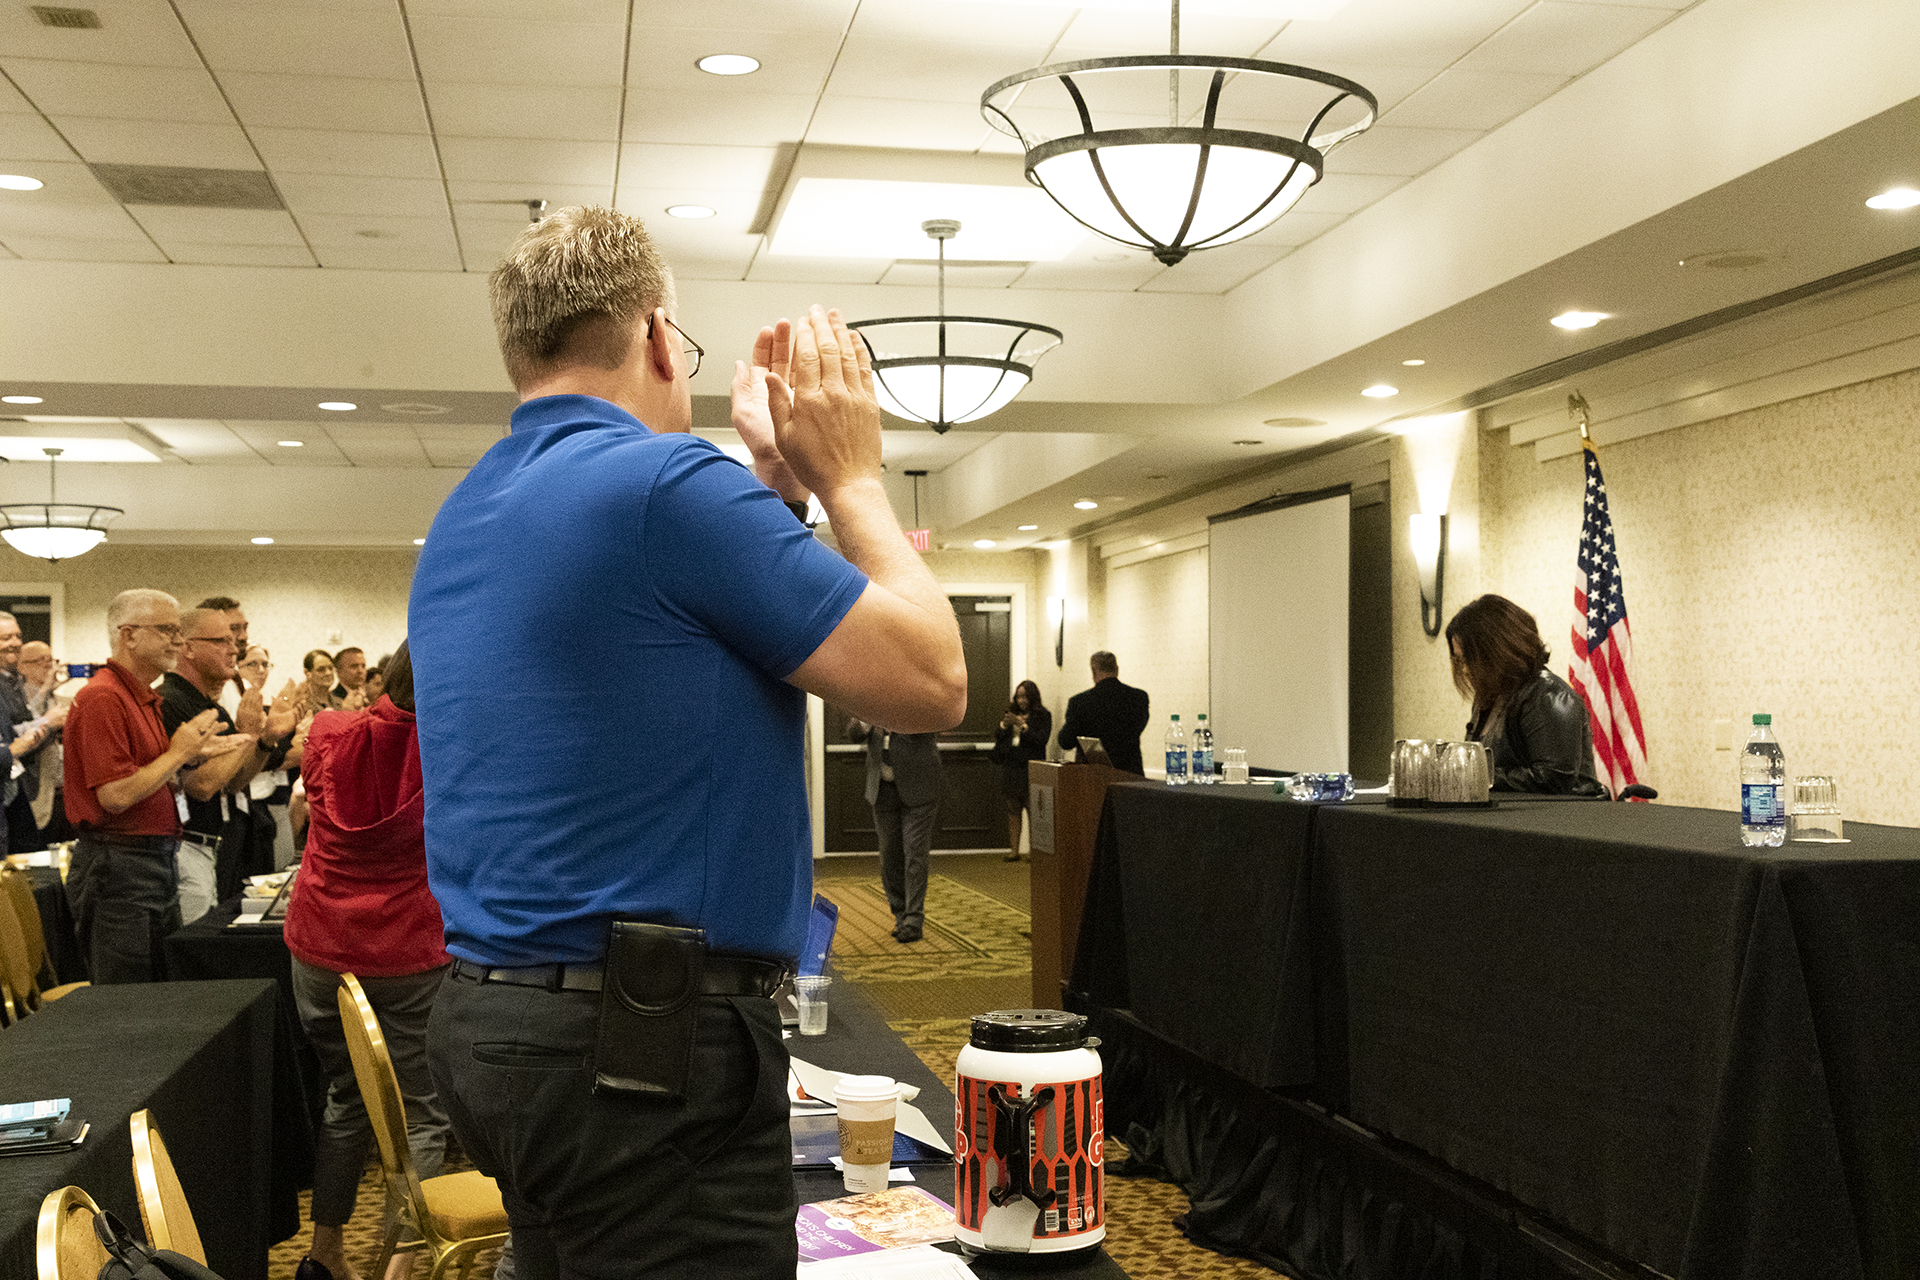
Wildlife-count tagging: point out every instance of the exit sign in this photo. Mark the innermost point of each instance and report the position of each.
(918, 539)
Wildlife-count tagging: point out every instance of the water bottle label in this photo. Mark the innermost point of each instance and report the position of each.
(1760, 805)
(1176, 764)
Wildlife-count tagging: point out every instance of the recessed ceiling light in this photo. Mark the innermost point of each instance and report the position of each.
(984, 543)
(1380, 391)
(338, 406)
(1578, 319)
(689, 211)
(1028, 528)
(1085, 504)
(419, 542)
(19, 182)
(292, 444)
(1413, 364)
(1897, 198)
(21, 400)
(263, 542)
(728, 64)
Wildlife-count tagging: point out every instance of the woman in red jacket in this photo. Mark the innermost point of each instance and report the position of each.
(360, 905)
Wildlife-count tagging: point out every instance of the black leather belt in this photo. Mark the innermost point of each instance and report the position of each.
(723, 976)
(141, 844)
(210, 843)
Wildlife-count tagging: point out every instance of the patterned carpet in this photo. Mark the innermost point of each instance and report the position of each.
(975, 956)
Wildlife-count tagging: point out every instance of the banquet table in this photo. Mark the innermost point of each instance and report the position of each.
(1610, 1027)
(56, 925)
(212, 1063)
(858, 1041)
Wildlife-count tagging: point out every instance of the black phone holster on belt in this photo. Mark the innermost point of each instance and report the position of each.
(649, 1000)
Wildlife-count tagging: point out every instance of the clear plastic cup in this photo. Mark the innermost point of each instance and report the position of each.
(810, 995)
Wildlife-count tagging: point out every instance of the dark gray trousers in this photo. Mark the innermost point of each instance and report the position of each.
(906, 849)
(125, 903)
(600, 1185)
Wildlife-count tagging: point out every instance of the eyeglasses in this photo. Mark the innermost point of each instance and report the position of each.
(171, 630)
(225, 640)
(693, 350)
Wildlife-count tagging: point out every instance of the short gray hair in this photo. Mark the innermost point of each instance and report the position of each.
(1105, 663)
(130, 604)
(190, 618)
(571, 286)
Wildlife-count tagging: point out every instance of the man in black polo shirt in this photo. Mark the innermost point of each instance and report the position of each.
(207, 663)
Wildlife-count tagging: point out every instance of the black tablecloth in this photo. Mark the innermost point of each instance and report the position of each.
(1703, 1057)
(858, 1041)
(210, 1060)
(56, 923)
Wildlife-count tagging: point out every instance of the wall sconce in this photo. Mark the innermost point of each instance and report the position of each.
(1428, 535)
(1057, 615)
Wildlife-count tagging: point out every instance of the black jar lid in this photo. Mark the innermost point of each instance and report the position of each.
(1030, 1031)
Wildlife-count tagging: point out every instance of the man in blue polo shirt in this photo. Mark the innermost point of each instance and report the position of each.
(679, 612)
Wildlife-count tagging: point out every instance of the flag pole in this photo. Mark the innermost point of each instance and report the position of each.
(1577, 410)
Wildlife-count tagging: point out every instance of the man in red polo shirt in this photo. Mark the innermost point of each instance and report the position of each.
(121, 792)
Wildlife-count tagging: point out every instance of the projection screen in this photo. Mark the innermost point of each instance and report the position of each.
(1277, 632)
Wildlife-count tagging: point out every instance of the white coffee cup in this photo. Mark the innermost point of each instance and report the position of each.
(867, 1106)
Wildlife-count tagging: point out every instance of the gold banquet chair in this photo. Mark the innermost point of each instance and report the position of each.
(455, 1215)
(64, 1245)
(163, 1205)
(17, 889)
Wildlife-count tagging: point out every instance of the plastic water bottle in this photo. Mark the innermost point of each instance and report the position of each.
(1176, 754)
(1202, 756)
(1763, 788)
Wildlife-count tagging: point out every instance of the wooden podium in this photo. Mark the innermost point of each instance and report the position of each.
(1063, 808)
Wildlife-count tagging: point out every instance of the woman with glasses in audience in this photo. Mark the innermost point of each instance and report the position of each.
(360, 905)
(267, 795)
(316, 694)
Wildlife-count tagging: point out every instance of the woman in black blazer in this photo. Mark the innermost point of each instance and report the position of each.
(1024, 733)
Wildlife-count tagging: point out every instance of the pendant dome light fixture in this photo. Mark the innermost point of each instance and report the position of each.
(54, 530)
(1207, 179)
(943, 369)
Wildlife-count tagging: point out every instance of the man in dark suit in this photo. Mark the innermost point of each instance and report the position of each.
(903, 786)
(1113, 712)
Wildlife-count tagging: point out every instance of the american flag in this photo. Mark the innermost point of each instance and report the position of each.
(1602, 647)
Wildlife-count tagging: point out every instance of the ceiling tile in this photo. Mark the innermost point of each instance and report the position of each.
(171, 225)
(1038, 26)
(924, 278)
(71, 204)
(789, 63)
(1557, 38)
(201, 441)
(391, 258)
(11, 101)
(871, 66)
(886, 122)
(136, 93)
(243, 255)
(728, 268)
(1109, 32)
(518, 51)
(1394, 32)
(722, 117)
(265, 100)
(301, 39)
(1296, 227)
(1090, 275)
(774, 270)
(1346, 192)
(316, 449)
(481, 433)
(1217, 270)
(138, 34)
(378, 446)
(30, 138)
(590, 114)
(200, 146)
(642, 165)
(337, 231)
(744, 15)
(307, 193)
(1385, 149)
(73, 249)
(1388, 83)
(371, 155)
(521, 161)
(734, 211)
(1462, 99)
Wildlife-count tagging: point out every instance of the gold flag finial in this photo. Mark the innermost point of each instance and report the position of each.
(1577, 410)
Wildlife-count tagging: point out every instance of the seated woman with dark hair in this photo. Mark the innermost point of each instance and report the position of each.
(1535, 727)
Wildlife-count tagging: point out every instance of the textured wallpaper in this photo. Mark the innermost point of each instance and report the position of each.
(1770, 561)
